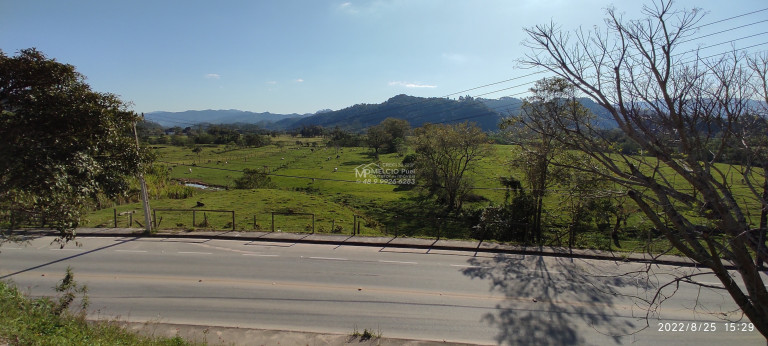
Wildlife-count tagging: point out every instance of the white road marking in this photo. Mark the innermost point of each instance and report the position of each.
(130, 250)
(397, 262)
(329, 258)
(196, 253)
(259, 255)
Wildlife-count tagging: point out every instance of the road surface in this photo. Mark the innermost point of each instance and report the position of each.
(402, 293)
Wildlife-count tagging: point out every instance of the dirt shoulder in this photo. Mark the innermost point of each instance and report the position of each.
(245, 336)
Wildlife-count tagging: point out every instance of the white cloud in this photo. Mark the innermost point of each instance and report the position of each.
(411, 85)
(212, 76)
(348, 8)
(299, 80)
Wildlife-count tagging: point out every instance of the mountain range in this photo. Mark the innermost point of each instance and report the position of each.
(486, 113)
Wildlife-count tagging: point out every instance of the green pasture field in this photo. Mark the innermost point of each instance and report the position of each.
(294, 167)
(319, 180)
(324, 181)
(253, 211)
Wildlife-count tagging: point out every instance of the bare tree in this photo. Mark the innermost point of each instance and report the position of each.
(535, 131)
(689, 114)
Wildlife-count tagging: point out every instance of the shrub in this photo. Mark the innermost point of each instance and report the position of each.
(253, 179)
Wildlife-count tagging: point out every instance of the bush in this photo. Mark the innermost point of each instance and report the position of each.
(46, 321)
(253, 179)
(509, 222)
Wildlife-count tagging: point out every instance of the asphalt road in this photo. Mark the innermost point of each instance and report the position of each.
(402, 293)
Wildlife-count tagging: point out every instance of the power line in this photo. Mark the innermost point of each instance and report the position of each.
(371, 115)
(539, 72)
(731, 18)
(724, 31)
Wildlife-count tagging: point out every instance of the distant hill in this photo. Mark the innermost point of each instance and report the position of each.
(230, 116)
(416, 110)
(486, 113)
(505, 106)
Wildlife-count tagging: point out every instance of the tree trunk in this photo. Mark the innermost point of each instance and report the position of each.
(761, 257)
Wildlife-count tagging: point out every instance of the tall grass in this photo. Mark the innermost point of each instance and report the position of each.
(40, 321)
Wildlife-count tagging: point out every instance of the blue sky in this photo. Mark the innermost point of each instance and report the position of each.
(293, 56)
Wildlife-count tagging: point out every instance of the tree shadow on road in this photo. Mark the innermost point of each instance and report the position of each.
(556, 301)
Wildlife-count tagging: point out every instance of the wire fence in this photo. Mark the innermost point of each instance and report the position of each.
(634, 239)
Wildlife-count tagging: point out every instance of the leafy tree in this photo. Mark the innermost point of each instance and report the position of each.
(683, 111)
(61, 143)
(343, 138)
(197, 150)
(254, 140)
(536, 132)
(253, 179)
(222, 134)
(389, 135)
(378, 138)
(311, 131)
(396, 128)
(147, 129)
(445, 153)
(179, 140)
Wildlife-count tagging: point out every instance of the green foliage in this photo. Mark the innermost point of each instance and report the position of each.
(44, 321)
(342, 138)
(378, 138)
(537, 130)
(180, 140)
(311, 131)
(147, 129)
(513, 220)
(61, 144)
(389, 136)
(68, 289)
(253, 179)
(445, 154)
(255, 140)
(366, 335)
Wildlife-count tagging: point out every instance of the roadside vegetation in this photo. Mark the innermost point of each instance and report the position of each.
(58, 321)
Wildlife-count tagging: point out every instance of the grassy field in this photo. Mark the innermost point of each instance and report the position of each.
(252, 210)
(312, 178)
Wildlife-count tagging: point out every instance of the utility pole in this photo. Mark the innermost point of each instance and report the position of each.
(144, 194)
